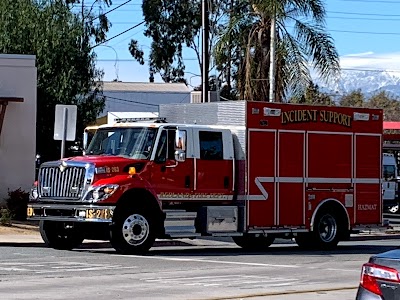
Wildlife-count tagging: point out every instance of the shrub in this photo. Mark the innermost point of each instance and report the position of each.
(17, 202)
(5, 217)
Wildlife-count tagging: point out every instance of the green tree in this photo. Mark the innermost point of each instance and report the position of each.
(389, 104)
(172, 25)
(66, 67)
(313, 96)
(353, 99)
(248, 35)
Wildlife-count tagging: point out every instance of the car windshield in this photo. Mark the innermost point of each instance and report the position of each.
(132, 142)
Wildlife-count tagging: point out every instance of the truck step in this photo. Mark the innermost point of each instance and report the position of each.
(180, 223)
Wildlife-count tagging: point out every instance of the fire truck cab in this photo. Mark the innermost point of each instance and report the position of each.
(253, 171)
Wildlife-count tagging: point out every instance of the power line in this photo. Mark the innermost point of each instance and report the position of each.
(133, 60)
(365, 32)
(130, 101)
(370, 70)
(372, 1)
(111, 10)
(121, 33)
(361, 14)
(142, 103)
(355, 18)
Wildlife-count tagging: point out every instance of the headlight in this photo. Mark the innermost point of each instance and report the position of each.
(33, 194)
(102, 192)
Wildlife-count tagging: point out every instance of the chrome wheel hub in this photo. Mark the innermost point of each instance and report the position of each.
(135, 229)
(327, 228)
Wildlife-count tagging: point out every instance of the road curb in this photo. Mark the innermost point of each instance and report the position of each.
(375, 237)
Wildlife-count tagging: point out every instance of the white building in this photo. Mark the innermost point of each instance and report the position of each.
(18, 81)
(142, 96)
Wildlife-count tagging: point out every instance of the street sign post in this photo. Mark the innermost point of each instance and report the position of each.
(65, 124)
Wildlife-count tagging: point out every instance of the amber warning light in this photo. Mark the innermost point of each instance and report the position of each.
(132, 171)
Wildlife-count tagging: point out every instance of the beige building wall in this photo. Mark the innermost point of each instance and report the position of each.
(18, 78)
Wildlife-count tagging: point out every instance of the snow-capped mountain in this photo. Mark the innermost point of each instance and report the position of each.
(368, 81)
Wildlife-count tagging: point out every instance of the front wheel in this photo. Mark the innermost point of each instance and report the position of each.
(133, 231)
(60, 235)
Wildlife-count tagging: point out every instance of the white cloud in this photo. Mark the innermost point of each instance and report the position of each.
(371, 60)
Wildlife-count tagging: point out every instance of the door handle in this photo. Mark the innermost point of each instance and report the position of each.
(226, 182)
(187, 181)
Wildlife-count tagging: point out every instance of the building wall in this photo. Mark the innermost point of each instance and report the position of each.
(130, 101)
(18, 78)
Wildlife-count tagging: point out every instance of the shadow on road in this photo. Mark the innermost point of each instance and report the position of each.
(202, 251)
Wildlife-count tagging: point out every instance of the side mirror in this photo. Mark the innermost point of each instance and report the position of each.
(180, 145)
(180, 155)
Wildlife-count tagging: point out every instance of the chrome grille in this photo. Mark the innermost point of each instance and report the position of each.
(54, 183)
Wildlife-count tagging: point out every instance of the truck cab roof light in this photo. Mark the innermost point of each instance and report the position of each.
(144, 119)
(371, 273)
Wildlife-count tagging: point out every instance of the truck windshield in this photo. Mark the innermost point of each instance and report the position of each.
(132, 142)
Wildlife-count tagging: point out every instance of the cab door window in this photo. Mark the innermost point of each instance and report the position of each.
(211, 145)
(166, 148)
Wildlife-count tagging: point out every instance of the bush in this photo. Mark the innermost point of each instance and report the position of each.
(17, 203)
(5, 217)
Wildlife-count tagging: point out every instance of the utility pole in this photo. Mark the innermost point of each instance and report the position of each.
(205, 58)
(272, 60)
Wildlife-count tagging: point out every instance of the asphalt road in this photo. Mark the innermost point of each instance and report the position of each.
(203, 271)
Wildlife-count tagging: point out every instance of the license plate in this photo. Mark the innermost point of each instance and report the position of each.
(29, 212)
(98, 214)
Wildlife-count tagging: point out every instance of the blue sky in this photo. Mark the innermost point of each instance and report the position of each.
(366, 34)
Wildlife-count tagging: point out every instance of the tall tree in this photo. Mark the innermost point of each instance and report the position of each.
(301, 43)
(66, 70)
(313, 95)
(389, 104)
(171, 25)
(353, 99)
(93, 18)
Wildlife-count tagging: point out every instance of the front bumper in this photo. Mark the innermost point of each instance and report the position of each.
(70, 212)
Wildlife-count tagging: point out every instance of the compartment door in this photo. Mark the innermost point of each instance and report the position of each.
(261, 205)
(291, 173)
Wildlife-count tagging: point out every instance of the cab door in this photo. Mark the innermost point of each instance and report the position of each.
(213, 164)
(172, 180)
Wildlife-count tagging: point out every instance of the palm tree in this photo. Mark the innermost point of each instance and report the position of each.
(301, 43)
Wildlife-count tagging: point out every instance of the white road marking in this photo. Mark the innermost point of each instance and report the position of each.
(212, 261)
(236, 281)
(84, 269)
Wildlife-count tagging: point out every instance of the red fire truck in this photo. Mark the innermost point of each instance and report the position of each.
(253, 171)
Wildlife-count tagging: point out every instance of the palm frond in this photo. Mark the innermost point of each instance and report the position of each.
(319, 47)
(295, 68)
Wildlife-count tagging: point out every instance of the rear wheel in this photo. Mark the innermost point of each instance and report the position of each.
(133, 231)
(60, 235)
(251, 242)
(327, 230)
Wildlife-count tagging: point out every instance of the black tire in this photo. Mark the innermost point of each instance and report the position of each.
(57, 236)
(327, 230)
(253, 243)
(304, 240)
(133, 230)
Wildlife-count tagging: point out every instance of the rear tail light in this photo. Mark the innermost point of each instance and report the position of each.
(371, 273)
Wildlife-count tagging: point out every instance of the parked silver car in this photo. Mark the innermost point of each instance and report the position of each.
(380, 278)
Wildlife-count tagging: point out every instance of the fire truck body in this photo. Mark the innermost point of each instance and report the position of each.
(251, 170)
